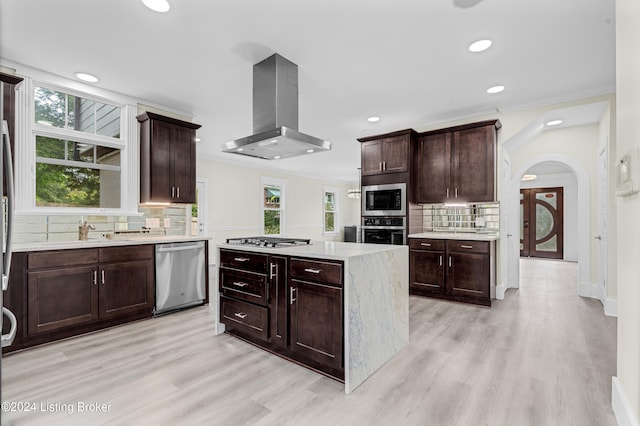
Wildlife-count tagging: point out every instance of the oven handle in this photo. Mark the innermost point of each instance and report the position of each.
(392, 228)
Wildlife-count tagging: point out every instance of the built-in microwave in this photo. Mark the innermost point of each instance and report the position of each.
(384, 200)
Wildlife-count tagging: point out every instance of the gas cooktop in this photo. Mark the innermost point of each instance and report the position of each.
(268, 241)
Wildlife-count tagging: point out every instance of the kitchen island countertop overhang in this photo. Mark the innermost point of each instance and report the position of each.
(376, 299)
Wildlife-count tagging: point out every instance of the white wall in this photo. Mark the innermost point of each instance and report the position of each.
(235, 202)
(626, 387)
(570, 207)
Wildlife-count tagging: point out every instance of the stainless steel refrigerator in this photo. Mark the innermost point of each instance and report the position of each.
(6, 172)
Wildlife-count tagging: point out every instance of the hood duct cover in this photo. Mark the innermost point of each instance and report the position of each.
(275, 115)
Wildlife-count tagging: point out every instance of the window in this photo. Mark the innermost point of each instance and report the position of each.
(79, 153)
(330, 203)
(272, 207)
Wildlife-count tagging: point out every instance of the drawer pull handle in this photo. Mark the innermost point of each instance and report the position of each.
(425, 244)
(241, 259)
(240, 315)
(450, 262)
(313, 271)
(467, 247)
(273, 270)
(95, 277)
(440, 260)
(292, 295)
(240, 284)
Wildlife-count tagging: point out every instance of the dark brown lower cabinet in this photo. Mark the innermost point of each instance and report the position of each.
(61, 298)
(301, 316)
(62, 293)
(316, 322)
(458, 270)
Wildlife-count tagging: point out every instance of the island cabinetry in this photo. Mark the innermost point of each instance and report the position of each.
(290, 306)
(316, 311)
(458, 270)
(167, 159)
(71, 287)
(456, 164)
(253, 300)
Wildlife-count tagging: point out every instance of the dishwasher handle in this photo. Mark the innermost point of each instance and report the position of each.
(168, 249)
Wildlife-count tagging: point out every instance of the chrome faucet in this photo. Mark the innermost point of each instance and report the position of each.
(83, 230)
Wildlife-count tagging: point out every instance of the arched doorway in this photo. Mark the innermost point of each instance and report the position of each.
(583, 220)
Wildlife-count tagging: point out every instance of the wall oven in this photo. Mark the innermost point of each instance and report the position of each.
(384, 230)
(384, 200)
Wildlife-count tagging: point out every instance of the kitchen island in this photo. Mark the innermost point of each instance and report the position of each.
(374, 288)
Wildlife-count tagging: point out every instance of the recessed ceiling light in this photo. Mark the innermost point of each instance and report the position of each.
(529, 177)
(373, 119)
(157, 5)
(197, 139)
(480, 45)
(89, 78)
(495, 89)
(240, 149)
(309, 151)
(554, 122)
(277, 157)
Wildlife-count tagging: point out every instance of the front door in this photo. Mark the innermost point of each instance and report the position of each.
(541, 226)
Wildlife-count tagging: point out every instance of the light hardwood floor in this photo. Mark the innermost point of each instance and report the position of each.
(542, 356)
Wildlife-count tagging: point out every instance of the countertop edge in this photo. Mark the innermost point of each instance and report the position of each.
(72, 245)
(456, 236)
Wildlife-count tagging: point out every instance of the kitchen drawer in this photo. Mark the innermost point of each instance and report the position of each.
(249, 286)
(62, 258)
(245, 260)
(468, 246)
(245, 317)
(125, 253)
(315, 270)
(424, 244)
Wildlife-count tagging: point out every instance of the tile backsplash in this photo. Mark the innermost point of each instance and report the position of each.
(478, 218)
(43, 228)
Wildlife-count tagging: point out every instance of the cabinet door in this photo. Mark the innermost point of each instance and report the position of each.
(279, 301)
(160, 152)
(126, 287)
(473, 160)
(433, 168)
(394, 154)
(316, 322)
(468, 274)
(426, 271)
(183, 160)
(371, 161)
(61, 297)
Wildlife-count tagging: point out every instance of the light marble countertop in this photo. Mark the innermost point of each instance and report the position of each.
(320, 249)
(457, 236)
(96, 243)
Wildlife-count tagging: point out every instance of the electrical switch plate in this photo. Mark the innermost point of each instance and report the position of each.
(152, 223)
(167, 223)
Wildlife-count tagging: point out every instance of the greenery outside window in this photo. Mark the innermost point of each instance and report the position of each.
(79, 151)
(330, 203)
(272, 207)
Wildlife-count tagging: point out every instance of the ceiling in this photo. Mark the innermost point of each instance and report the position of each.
(406, 62)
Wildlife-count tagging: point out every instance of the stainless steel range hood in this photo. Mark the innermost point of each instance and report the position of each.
(275, 115)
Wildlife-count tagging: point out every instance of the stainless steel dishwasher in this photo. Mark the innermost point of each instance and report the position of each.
(180, 276)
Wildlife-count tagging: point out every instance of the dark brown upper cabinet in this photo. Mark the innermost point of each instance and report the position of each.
(167, 159)
(384, 154)
(456, 164)
(9, 83)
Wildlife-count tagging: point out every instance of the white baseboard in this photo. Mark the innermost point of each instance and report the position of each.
(500, 290)
(584, 289)
(611, 307)
(620, 404)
